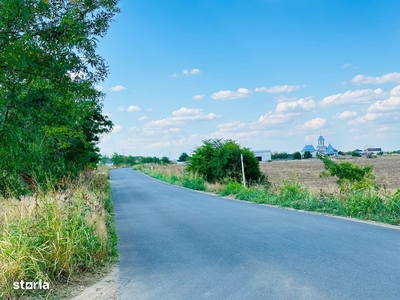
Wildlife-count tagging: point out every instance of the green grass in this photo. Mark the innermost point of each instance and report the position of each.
(367, 204)
(58, 239)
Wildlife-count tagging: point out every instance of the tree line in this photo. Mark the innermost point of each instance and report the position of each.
(50, 110)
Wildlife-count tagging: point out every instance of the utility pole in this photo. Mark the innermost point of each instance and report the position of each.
(244, 179)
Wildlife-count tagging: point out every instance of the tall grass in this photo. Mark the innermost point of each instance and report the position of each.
(56, 234)
(368, 204)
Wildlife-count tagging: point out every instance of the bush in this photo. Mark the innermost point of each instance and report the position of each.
(232, 188)
(307, 155)
(350, 175)
(218, 160)
(297, 155)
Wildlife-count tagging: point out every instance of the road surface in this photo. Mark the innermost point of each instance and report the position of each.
(180, 244)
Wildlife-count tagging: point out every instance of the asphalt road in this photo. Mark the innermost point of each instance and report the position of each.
(180, 244)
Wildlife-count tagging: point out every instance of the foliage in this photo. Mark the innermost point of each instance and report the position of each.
(280, 155)
(56, 236)
(184, 157)
(165, 160)
(349, 175)
(232, 188)
(380, 153)
(307, 155)
(50, 111)
(297, 155)
(355, 154)
(217, 160)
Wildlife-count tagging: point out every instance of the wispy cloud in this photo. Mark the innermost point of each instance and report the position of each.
(133, 108)
(107, 114)
(183, 116)
(143, 118)
(303, 104)
(346, 114)
(227, 95)
(353, 97)
(347, 65)
(313, 124)
(363, 79)
(173, 75)
(279, 89)
(191, 72)
(118, 88)
(198, 97)
(99, 87)
(117, 128)
(120, 108)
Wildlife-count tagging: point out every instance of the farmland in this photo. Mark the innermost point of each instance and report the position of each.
(386, 169)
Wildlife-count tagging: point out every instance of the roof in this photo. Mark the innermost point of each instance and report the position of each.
(308, 148)
(373, 149)
(331, 149)
(320, 138)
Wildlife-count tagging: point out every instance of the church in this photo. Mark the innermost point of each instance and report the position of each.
(321, 148)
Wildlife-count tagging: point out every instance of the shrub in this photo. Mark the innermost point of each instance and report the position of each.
(297, 155)
(232, 188)
(219, 159)
(307, 155)
(350, 175)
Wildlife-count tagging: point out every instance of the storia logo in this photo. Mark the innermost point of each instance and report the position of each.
(31, 285)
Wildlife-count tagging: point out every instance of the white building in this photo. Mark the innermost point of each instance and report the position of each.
(263, 155)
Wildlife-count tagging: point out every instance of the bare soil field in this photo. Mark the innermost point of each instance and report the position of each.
(306, 171)
(386, 169)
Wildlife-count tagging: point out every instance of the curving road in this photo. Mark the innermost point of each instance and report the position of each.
(180, 244)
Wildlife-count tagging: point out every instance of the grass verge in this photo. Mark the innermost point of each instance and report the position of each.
(56, 235)
(369, 204)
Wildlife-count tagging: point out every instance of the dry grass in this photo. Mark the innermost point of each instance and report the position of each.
(386, 169)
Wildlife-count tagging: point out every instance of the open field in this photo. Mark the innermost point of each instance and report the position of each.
(386, 169)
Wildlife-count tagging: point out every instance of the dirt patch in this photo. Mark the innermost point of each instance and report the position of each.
(96, 287)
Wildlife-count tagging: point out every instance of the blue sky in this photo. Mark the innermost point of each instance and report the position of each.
(270, 74)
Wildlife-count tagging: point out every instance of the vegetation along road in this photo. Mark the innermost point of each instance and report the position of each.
(180, 244)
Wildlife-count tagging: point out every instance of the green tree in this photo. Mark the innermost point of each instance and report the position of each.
(307, 155)
(184, 157)
(50, 111)
(297, 155)
(165, 160)
(218, 159)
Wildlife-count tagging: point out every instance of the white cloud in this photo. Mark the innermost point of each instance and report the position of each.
(390, 104)
(295, 105)
(118, 88)
(393, 103)
(134, 129)
(183, 116)
(133, 108)
(149, 109)
(353, 97)
(346, 114)
(173, 75)
(107, 114)
(279, 89)
(313, 124)
(117, 128)
(273, 118)
(347, 65)
(120, 108)
(191, 72)
(143, 118)
(99, 87)
(390, 77)
(198, 97)
(366, 118)
(226, 95)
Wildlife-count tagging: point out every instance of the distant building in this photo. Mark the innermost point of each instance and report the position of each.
(263, 155)
(372, 150)
(321, 148)
(310, 148)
